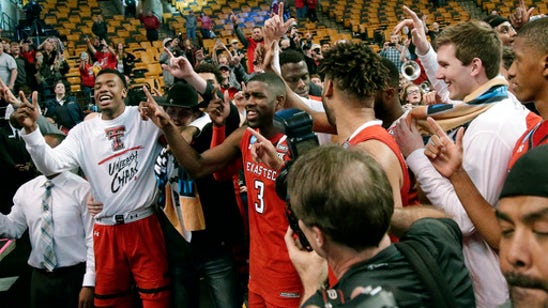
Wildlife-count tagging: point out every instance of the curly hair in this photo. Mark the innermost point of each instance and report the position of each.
(355, 69)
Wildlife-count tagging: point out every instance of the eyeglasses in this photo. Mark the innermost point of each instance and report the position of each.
(505, 29)
(416, 91)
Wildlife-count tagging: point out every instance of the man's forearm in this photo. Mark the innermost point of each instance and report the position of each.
(403, 218)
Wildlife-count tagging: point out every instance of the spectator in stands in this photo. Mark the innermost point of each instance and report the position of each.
(130, 8)
(51, 68)
(8, 68)
(87, 77)
(250, 43)
(433, 31)
(235, 50)
(190, 51)
(21, 82)
(395, 51)
(206, 26)
(151, 24)
(173, 46)
(104, 54)
(63, 110)
(411, 96)
(191, 24)
(126, 60)
(301, 9)
(311, 10)
(99, 27)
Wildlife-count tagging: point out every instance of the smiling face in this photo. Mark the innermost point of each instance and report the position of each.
(456, 75)
(527, 74)
(260, 105)
(523, 246)
(109, 95)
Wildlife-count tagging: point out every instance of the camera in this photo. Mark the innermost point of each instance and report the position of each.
(297, 126)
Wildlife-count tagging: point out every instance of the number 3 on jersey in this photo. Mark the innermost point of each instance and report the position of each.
(259, 206)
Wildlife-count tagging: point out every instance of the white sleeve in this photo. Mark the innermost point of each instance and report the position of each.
(47, 160)
(87, 222)
(14, 224)
(439, 190)
(200, 122)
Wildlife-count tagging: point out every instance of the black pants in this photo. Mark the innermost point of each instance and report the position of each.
(59, 288)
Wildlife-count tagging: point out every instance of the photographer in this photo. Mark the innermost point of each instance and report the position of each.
(344, 204)
(396, 52)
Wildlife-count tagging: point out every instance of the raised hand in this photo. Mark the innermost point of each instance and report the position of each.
(27, 113)
(150, 110)
(179, 67)
(312, 268)
(219, 108)
(8, 95)
(262, 150)
(521, 15)
(444, 154)
(416, 26)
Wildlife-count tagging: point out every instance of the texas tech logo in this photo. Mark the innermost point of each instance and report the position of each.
(115, 135)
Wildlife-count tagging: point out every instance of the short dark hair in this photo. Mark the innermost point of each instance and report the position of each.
(290, 56)
(209, 68)
(115, 72)
(344, 192)
(355, 69)
(275, 82)
(535, 34)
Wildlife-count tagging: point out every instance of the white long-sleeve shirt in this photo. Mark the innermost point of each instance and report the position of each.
(117, 157)
(73, 225)
(488, 143)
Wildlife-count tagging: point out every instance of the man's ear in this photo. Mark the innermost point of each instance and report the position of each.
(124, 92)
(545, 63)
(477, 67)
(328, 88)
(319, 237)
(280, 102)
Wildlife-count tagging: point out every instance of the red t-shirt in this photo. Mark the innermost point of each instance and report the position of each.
(106, 59)
(87, 76)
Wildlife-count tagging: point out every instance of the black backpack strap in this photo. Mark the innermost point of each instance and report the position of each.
(430, 273)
